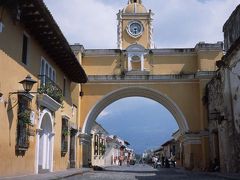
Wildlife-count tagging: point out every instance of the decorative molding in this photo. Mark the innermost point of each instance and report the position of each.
(120, 29)
(85, 138)
(151, 43)
(130, 33)
(46, 101)
(150, 78)
(194, 138)
(66, 117)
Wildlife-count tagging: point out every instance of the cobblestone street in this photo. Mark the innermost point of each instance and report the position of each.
(145, 172)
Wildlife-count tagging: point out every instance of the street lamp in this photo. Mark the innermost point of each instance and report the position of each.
(28, 83)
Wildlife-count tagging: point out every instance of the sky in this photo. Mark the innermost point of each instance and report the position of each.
(177, 24)
(144, 123)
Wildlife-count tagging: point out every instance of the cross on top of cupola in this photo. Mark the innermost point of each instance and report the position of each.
(135, 1)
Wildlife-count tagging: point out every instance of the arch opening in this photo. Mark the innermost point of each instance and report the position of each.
(157, 96)
(45, 138)
(142, 122)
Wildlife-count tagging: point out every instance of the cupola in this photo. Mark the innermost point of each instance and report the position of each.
(134, 7)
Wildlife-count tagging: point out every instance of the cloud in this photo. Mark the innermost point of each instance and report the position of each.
(103, 114)
(89, 22)
(93, 23)
(180, 24)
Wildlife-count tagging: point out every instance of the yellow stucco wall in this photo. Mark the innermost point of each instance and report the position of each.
(155, 64)
(186, 102)
(100, 65)
(207, 59)
(143, 39)
(173, 64)
(12, 70)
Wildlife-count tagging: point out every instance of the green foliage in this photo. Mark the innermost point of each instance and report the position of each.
(65, 132)
(24, 117)
(52, 91)
(103, 148)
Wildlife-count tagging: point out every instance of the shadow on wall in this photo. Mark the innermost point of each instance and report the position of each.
(10, 106)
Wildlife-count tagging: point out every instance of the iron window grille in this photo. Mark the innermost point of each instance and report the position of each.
(96, 149)
(23, 123)
(49, 87)
(65, 134)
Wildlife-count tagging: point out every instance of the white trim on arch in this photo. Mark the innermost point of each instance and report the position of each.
(135, 91)
(38, 130)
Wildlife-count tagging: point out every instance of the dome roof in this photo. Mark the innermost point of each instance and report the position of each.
(134, 8)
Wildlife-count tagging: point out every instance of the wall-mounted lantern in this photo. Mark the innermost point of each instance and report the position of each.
(81, 93)
(27, 84)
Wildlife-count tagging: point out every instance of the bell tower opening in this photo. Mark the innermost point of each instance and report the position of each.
(135, 1)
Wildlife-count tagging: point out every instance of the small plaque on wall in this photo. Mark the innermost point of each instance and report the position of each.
(32, 117)
(31, 132)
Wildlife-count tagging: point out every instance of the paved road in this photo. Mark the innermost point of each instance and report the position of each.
(145, 172)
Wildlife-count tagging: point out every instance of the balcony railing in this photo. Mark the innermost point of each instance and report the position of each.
(49, 87)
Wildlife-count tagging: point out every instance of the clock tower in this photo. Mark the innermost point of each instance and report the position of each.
(135, 26)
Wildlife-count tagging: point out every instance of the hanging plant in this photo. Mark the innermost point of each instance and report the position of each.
(24, 117)
(52, 91)
(65, 132)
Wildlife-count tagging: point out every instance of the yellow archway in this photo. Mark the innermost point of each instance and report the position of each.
(135, 91)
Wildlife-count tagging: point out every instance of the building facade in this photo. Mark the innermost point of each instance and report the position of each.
(176, 78)
(38, 126)
(99, 144)
(222, 101)
(108, 150)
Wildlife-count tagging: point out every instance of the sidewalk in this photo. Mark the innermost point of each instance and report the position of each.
(52, 175)
(225, 175)
(230, 176)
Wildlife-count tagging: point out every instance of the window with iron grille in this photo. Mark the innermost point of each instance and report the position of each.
(96, 152)
(65, 134)
(22, 139)
(102, 146)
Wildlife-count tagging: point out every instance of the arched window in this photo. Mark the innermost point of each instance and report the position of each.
(136, 63)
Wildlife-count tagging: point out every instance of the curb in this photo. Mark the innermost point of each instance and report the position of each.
(71, 175)
(50, 176)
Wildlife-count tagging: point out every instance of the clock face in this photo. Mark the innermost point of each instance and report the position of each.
(135, 29)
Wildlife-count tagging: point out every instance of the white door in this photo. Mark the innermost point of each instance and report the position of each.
(45, 147)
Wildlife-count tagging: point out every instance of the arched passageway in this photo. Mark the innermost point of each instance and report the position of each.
(135, 91)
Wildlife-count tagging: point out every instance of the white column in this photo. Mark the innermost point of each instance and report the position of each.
(129, 63)
(142, 62)
(51, 151)
(44, 151)
(48, 152)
